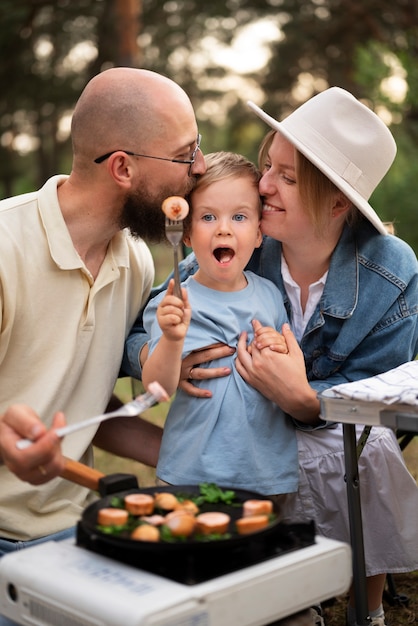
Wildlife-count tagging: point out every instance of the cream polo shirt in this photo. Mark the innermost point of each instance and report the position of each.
(61, 342)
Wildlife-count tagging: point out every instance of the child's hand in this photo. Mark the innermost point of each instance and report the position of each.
(173, 314)
(267, 337)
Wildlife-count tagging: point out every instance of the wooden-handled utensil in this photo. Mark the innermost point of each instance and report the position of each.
(82, 474)
(97, 481)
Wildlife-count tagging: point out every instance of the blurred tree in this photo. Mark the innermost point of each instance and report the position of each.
(128, 30)
(52, 48)
(42, 44)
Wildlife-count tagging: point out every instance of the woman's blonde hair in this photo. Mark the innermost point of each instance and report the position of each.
(317, 192)
(315, 189)
(222, 165)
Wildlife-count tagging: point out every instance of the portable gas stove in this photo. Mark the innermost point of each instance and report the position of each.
(63, 584)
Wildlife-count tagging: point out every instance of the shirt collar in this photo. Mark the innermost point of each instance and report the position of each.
(61, 246)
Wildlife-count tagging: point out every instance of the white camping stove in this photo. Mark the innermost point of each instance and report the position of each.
(62, 584)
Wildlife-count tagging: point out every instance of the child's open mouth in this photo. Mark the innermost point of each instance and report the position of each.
(223, 255)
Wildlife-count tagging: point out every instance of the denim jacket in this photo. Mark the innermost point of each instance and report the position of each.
(366, 320)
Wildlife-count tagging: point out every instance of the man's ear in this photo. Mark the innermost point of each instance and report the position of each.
(121, 170)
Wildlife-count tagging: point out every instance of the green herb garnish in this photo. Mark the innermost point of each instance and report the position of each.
(209, 492)
(112, 530)
(212, 537)
(117, 502)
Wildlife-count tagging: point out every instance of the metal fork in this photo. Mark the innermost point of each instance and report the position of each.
(146, 400)
(174, 234)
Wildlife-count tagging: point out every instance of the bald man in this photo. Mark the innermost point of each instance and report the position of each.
(74, 272)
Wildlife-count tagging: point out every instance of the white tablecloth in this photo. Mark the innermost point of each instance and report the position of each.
(397, 386)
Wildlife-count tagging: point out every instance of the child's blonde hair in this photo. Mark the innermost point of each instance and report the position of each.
(222, 165)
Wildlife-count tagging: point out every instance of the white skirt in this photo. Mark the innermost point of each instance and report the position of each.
(388, 494)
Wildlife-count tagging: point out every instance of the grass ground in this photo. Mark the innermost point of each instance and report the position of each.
(397, 614)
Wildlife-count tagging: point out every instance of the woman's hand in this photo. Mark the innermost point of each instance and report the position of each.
(281, 377)
(41, 461)
(190, 369)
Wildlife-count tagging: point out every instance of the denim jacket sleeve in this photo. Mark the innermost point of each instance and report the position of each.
(137, 337)
(378, 331)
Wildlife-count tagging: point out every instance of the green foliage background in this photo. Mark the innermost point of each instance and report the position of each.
(355, 44)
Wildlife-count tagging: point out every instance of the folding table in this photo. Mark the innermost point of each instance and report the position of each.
(391, 400)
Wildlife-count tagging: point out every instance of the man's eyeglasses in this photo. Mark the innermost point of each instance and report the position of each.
(188, 162)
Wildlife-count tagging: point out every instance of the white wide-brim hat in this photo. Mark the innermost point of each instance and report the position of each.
(344, 139)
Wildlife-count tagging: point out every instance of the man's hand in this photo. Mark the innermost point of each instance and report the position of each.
(190, 369)
(41, 461)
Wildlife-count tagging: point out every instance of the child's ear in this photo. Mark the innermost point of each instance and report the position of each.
(186, 241)
(259, 238)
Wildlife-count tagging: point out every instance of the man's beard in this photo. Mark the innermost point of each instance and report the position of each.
(143, 216)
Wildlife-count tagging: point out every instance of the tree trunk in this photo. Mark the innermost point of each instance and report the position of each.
(127, 29)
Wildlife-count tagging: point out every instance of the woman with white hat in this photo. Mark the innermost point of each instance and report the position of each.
(351, 292)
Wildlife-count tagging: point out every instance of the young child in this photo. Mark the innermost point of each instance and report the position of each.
(235, 436)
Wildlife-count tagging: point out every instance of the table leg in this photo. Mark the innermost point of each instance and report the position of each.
(356, 528)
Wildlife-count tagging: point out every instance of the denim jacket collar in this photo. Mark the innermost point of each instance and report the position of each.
(340, 294)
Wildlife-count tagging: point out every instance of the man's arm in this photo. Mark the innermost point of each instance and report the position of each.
(130, 437)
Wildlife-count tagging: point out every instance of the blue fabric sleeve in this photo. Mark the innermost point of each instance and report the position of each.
(137, 337)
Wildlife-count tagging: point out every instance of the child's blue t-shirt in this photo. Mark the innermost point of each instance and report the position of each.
(237, 438)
